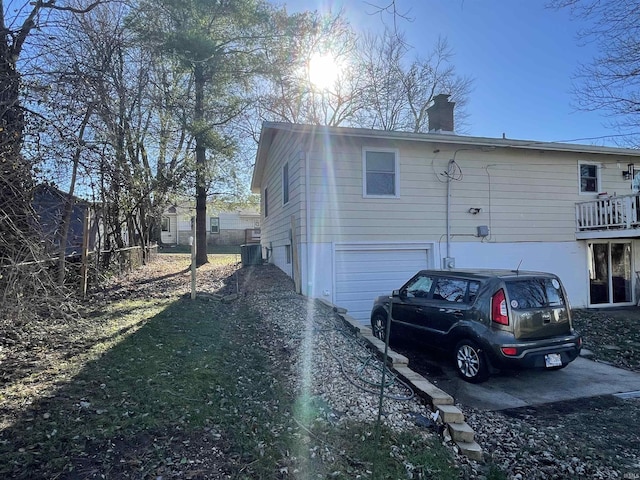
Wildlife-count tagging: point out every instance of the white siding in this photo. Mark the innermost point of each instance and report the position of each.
(276, 227)
(523, 195)
(568, 260)
(236, 221)
(526, 197)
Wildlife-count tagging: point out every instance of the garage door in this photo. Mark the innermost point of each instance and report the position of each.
(364, 274)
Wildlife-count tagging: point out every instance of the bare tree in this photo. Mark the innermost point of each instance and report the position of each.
(135, 138)
(401, 88)
(288, 92)
(382, 83)
(18, 21)
(381, 60)
(610, 83)
(390, 8)
(26, 35)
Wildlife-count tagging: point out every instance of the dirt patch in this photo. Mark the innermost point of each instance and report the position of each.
(612, 335)
(589, 438)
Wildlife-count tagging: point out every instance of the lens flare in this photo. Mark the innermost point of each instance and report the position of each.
(324, 71)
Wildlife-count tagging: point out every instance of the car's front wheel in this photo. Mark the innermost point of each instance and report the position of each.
(471, 362)
(379, 325)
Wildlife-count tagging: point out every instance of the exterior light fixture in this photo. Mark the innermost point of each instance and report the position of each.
(629, 173)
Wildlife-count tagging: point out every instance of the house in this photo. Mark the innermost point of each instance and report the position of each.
(352, 213)
(223, 228)
(49, 205)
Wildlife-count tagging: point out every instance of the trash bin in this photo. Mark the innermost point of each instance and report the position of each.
(251, 254)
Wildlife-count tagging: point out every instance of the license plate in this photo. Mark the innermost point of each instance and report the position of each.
(552, 360)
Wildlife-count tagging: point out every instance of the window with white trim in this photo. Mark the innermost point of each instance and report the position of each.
(589, 174)
(214, 223)
(380, 173)
(166, 224)
(285, 184)
(265, 199)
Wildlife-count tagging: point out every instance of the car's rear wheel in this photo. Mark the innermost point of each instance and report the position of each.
(471, 362)
(379, 325)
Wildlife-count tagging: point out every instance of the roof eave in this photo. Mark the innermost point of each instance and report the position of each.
(269, 128)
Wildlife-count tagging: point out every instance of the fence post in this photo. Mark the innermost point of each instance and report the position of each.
(193, 258)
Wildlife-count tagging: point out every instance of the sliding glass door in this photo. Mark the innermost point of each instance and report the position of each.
(610, 273)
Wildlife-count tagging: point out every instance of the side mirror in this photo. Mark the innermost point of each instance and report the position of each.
(396, 294)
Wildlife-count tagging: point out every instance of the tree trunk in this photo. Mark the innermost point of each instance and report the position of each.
(69, 201)
(201, 170)
(16, 183)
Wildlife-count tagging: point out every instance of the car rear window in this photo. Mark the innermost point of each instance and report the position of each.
(535, 293)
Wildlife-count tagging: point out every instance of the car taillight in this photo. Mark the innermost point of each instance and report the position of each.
(509, 351)
(499, 308)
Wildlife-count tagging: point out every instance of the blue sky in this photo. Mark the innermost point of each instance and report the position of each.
(522, 56)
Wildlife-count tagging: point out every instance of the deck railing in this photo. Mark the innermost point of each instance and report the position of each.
(616, 212)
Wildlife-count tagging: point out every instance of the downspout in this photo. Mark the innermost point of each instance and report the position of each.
(451, 162)
(307, 202)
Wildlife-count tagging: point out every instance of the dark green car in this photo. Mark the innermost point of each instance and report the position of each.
(488, 319)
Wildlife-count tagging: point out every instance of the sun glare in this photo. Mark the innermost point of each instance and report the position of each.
(323, 71)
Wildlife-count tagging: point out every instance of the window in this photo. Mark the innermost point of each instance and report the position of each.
(419, 287)
(535, 293)
(473, 291)
(266, 202)
(214, 222)
(166, 224)
(285, 184)
(380, 173)
(450, 289)
(288, 253)
(589, 178)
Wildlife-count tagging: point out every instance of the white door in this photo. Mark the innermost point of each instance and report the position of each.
(362, 274)
(169, 233)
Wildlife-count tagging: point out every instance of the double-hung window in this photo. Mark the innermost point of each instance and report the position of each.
(285, 184)
(589, 177)
(265, 200)
(380, 173)
(214, 223)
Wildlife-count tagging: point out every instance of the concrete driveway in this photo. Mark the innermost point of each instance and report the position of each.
(582, 378)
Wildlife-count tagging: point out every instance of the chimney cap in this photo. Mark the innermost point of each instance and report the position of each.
(441, 97)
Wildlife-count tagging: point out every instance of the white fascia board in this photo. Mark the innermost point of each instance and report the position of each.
(444, 138)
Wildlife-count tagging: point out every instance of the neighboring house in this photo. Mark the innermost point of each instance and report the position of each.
(352, 213)
(49, 205)
(223, 228)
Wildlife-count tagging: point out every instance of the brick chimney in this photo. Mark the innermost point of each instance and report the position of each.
(441, 114)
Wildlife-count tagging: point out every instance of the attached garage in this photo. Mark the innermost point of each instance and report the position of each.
(365, 271)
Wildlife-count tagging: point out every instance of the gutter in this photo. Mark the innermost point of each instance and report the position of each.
(450, 139)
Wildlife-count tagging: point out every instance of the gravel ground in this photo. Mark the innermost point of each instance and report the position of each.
(572, 440)
(332, 368)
